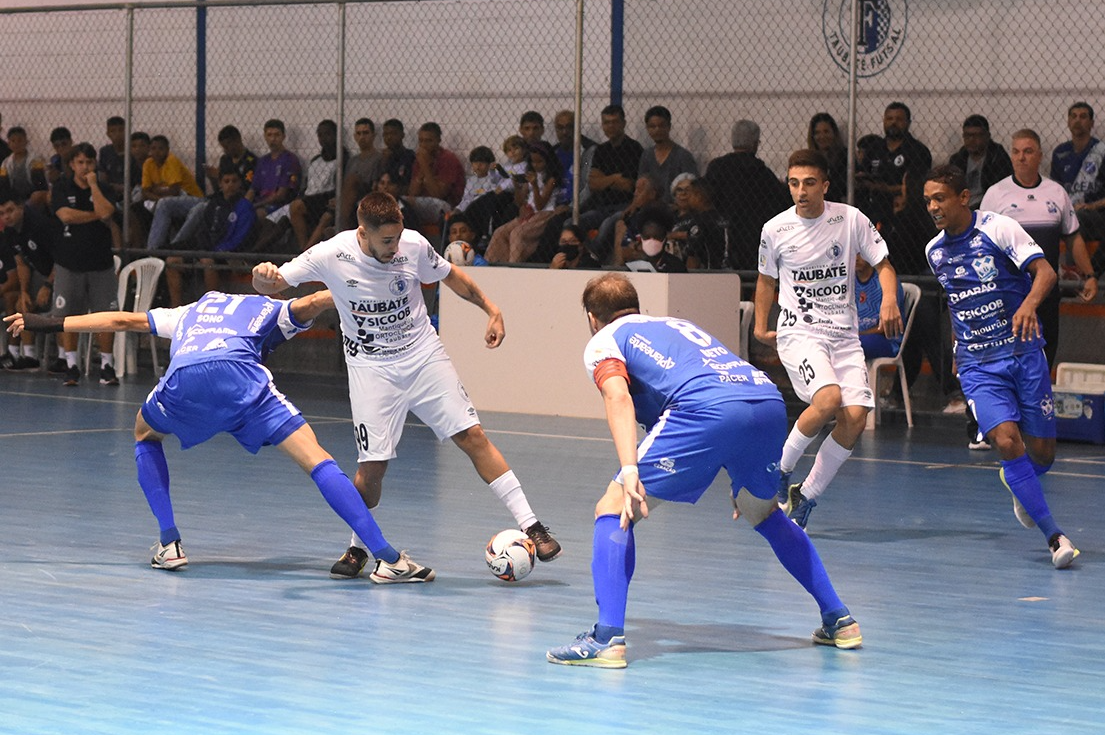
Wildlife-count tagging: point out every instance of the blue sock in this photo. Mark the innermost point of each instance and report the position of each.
(153, 478)
(1020, 476)
(1039, 469)
(798, 556)
(347, 503)
(612, 562)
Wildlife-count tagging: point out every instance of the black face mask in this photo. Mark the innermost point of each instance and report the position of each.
(571, 252)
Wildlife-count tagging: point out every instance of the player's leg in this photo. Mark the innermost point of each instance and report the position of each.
(153, 478)
(807, 363)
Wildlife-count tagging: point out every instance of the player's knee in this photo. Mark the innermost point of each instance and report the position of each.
(827, 399)
(472, 439)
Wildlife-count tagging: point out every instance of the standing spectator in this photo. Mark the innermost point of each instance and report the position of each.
(746, 193)
(997, 341)
(666, 159)
(437, 181)
(516, 240)
(170, 188)
(1043, 208)
(1079, 165)
(24, 171)
(611, 180)
(810, 251)
(313, 210)
(61, 140)
(983, 161)
(362, 170)
(112, 161)
(276, 176)
(824, 135)
(84, 270)
(398, 159)
(893, 180)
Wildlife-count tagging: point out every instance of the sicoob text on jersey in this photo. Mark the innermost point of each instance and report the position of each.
(380, 322)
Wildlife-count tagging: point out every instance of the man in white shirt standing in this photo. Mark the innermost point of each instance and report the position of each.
(809, 251)
(396, 361)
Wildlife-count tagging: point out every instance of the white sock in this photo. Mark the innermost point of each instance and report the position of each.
(14, 350)
(829, 459)
(507, 489)
(107, 359)
(71, 358)
(794, 448)
(30, 351)
(356, 541)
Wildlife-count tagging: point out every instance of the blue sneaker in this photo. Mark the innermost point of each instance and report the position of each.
(844, 633)
(800, 506)
(782, 495)
(585, 650)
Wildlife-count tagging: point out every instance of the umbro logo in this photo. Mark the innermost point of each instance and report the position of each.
(352, 282)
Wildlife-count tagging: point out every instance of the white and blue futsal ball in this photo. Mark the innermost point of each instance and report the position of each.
(510, 555)
(458, 252)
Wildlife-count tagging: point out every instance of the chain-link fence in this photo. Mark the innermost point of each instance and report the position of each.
(474, 66)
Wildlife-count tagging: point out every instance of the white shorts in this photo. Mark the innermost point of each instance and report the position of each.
(812, 363)
(380, 397)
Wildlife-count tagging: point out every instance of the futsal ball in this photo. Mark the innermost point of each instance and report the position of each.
(458, 252)
(510, 555)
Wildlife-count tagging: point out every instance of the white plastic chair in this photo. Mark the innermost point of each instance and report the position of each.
(147, 272)
(747, 312)
(912, 296)
(84, 340)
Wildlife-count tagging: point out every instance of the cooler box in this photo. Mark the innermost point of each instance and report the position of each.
(1079, 394)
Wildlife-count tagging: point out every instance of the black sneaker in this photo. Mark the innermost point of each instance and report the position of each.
(7, 362)
(72, 376)
(58, 366)
(547, 547)
(107, 375)
(26, 362)
(350, 564)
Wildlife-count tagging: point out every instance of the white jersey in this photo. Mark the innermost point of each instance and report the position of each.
(1044, 211)
(813, 260)
(383, 315)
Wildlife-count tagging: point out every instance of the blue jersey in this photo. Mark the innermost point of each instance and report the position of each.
(234, 327)
(673, 364)
(984, 272)
(869, 302)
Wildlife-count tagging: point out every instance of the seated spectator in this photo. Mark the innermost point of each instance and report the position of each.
(169, 189)
(276, 175)
(398, 160)
(573, 251)
(362, 170)
(531, 127)
(628, 224)
(611, 180)
(24, 172)
(234, 154)
(313, 211)
(388, 185)
(984, 161)
(824, 135)
(706, 240)
(746, 193)
(683, 215)
(5, 151)
(226, 226)
(62, 142)
(868, 302)
(140, 219)
(648, 247)
(461, 229)
(564, 127)
(480, 203)
(516, 240)
(666, 159)
(28, 236)
(437, 181)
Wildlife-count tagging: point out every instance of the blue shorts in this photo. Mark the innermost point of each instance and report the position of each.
(685, 450)
(198, 401)
(1016, 389)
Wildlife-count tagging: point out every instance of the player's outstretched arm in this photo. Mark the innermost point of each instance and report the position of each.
(765, 296)
(101, 321)
(306, 308)
(267, 279)
(463, 285)
(890, 317)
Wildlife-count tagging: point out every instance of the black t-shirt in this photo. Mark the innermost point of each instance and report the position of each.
(84, 247)
(34, 241)
(245, 166)
(623, 160)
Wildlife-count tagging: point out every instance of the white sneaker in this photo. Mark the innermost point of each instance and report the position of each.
(1062, 551)
(404, 570)
(956, 405)
(169, 557)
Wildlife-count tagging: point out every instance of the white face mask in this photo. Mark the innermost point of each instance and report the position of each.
(652, 247)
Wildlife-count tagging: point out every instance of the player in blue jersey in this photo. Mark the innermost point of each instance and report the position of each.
(215, 382)
(995, 277)
(704, 409)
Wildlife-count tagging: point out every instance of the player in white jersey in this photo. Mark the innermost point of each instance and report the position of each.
(809, 251)
(1043, 208)
(396, 361)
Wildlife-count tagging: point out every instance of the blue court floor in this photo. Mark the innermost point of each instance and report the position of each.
(967, 627)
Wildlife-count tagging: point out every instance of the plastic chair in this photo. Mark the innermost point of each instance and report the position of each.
(912, 296)
(84, 340)
(147, 272)
(747, 312)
